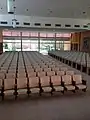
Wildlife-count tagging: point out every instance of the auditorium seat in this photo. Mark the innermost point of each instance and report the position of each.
(67, 80)
(60, 73)
(69, 72)
(47, 69)
(9, 86)
(34, 84)
(56, 83)
(31, 74)
(41, 74)
(45, 84)
(50, 73)
(79, 82)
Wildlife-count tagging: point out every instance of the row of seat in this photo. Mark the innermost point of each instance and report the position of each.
(43, 84)
(34, 74)
(78, 60)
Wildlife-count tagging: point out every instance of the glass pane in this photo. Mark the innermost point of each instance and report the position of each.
(46, 45)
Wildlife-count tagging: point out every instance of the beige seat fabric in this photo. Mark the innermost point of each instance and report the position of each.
(40, 74)
(9, 84)
(45, 83)
(50, 73)
(2, 75)
(34, 84)
(64, 69)
(68, 82)
(21, 75)
(32, 74)
(47, 69)
(56, 81)
(55, 69)
(69, 72)
(78, 81)
(0, 83)
(21, 83)
(60, 73)
(10, 75)
(38, 69)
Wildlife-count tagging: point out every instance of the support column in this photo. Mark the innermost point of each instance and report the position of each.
(39, 41)
(55, 41)
(21, 40)
(1, 42)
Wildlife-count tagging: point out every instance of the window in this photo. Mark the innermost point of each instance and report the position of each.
(17, 23)
(76, 25)
(85, 26)
(67, 25)
(2, 22)
(58, 25)
(37, 24)
(26, 23)
(47, 24)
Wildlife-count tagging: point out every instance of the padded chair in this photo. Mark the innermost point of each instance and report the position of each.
(47, 69)
(10, 75)
(34, 84)
(22, 85)
(2, 75)
(50, 73)
(55, 69)
(45, 84)
(21, 75)
(41, 74)
(9, 86)
(56, 83)
(79, 82)
(63, 68)
(67, 82)
(38, 69)
(69, 72)
(32, 74)
(60, 73)
(30, 70)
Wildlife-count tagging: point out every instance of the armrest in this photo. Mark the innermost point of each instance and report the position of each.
(73, 83)
(84, 82)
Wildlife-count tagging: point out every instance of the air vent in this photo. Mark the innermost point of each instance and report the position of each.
(47, 24)
(57, 25)
(17, 23)
(26, 23)
(2, 22)
(85, 26)
(67, 25)
(76, 25)
(37, 24)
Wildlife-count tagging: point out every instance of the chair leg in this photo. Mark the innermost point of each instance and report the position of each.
(62, 91)
(84, 90)
(3, 96)
(73, 91)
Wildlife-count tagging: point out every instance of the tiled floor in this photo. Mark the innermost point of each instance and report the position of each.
(59, 107)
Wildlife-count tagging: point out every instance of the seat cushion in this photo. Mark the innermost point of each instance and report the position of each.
(81, 86)
(34, 90)
(47, 89)
(59, 88)
(70, 87)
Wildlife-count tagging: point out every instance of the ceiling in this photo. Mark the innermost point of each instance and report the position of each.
(50, 8)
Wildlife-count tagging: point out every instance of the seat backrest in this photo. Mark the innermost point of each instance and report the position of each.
(32, 74)
(0, 83)
(69, 72)
(50, 73)
(38, 69)
(41, 74)
(47, 69)
(64, 68)
(10, 75)
(21, 83)
(67, 79)
(22, 74)
(56, 80)
(55, 69)
(9, 84)
(77, 79)
(30, 70)
(2, 75)
(60, 73)
(33, 82)
(45, 81)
